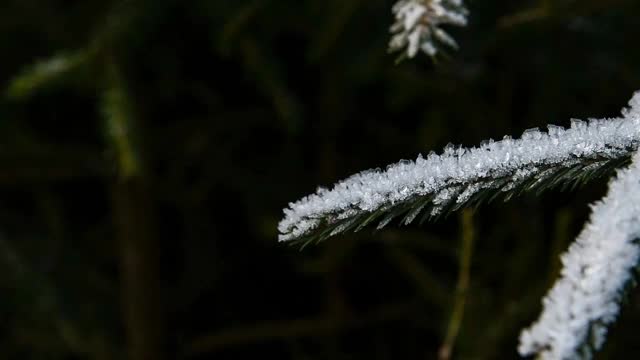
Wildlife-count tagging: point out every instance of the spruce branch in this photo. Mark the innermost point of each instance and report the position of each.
(459, 177)
(597, 272)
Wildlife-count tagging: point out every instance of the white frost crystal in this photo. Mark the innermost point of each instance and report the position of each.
(458, 168)
(417, 25)
(596, 269)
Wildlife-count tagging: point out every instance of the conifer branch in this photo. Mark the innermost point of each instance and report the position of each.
(459, 177)
(597, 272)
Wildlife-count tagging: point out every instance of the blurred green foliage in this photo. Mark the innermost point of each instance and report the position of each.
(148, 148)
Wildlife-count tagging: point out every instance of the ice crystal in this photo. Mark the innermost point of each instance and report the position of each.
(447, 176)
(596, 268)
(417, 25)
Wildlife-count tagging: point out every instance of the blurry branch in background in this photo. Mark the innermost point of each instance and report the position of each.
(131, 198)
(135, 225)
(333, 29)
(269, 77)
(45, 72)
(539, 12)
(41, 162)
(265, 68)
(72, 66)
(119, 125)
(237, 23)
(64, 65)
(547, 9)
(462, 287)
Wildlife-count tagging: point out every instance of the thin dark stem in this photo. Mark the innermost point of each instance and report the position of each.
(132, 206)
(141, 288)
(462, 287)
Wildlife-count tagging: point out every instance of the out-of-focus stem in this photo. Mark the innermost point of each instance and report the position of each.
(462, 286)
(132, 207)
(139, 265)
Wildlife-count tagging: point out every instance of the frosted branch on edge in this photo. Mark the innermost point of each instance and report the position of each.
(596, 269)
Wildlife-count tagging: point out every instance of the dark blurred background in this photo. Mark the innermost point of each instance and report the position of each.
(147, 149)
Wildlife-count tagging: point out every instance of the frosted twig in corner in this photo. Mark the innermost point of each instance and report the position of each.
(418, 22)
(457, 175)
(596, 269)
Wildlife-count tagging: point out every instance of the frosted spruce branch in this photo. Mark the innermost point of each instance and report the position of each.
(462, 177)
(596, 269)
(417, 25)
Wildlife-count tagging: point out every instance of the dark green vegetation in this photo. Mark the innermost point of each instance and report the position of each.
(142, 179)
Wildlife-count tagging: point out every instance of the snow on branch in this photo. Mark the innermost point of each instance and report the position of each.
(462, 176)
(417, 25)
(596, 269)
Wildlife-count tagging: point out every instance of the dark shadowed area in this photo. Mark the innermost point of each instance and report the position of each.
(147, 149)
